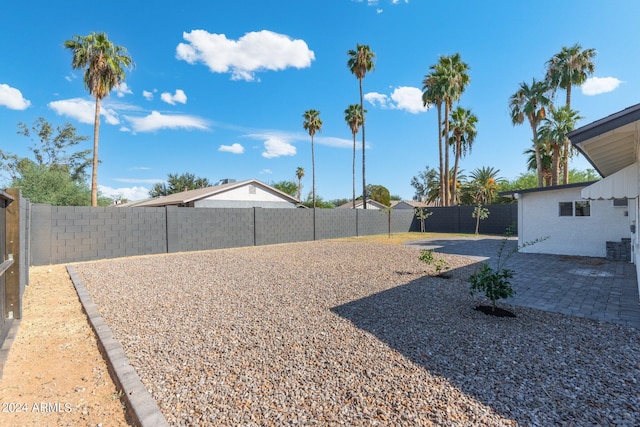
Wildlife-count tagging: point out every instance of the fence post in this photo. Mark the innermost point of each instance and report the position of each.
(13, 301)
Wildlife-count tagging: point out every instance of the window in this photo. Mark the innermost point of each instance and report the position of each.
(583, 208)
(579, 208)
(620, 203)
(566, 209)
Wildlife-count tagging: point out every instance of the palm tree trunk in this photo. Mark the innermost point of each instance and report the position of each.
(440, 152)
(536, 148)
(446, 153)
(313, 175)
(353, 170)
(569, 95)
(94, 172)
(364, 181)
(565, 163)
(556, 164)
(454, 190)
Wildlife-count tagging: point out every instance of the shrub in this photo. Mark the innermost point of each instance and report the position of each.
(440, 264)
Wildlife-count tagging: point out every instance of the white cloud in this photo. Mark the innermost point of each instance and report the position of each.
(83, 110)
(139, 181)
(179, 96)
(12, 98)
(130, 193)
(332, 141)
(402, 98)
(233, 148)
(156, 121)
(253, 52)
(277, 147)
(122, 89)
(147, 95)
(266, 172)
(598, 85)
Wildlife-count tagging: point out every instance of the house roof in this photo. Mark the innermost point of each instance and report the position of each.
(512, 193)
(188, 196)
(609, 144)
(349, 204)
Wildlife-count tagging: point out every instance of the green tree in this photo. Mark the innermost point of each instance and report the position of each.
(312, 124)
(427, 186)
(530, 102)
(177, 183)
(545, 160)
(360, 62)
(570, 67)
(379, 193)
(354, 118)
(50, 146)
(299, 176)
(103, 64)
(463, 126)
(554, 133)
(319, 202)
(288, 187)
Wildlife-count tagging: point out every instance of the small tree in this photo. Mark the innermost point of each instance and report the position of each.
(440, 264)
(422, 214)
(479, 213)
(496, 283)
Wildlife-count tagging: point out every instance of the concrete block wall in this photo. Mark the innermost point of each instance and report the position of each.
(458, 219)
(372, 221)
(283, 225)
(196, 229)
(334, 223)
(62, 234)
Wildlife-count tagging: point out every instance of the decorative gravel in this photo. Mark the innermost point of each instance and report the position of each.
(354, 333)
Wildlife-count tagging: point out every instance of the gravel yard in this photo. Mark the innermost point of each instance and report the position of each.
(353, 333)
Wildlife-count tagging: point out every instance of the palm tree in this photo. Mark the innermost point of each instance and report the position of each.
(103, 64)
(313, 124)
(463, 127)
(545, 157)
(299, 175)
(433, 94)
(485, 182)
(354, 118)
(554, 132)
(531, 102)
(455, 79)
(570, 67)
(360, 62)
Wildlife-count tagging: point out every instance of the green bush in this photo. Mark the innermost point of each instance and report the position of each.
(440, 264)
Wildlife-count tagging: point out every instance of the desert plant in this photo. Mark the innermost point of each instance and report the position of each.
(440, 264)
(495, 282)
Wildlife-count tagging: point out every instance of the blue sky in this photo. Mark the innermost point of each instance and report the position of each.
(219, 88)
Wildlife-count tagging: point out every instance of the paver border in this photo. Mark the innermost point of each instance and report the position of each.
(141, 407)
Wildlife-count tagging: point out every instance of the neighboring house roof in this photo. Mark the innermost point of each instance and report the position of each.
(130, 204)
(407, 204)
(372, 203)
(609, 144)
(184, 197)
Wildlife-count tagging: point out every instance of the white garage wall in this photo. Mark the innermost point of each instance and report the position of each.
(539, 216)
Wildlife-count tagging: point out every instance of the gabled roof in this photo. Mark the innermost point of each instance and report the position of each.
(349, 204)
(609, 144)
(188, 196)
(412, 203)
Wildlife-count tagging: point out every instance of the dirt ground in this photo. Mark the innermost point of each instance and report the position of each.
(54, 374)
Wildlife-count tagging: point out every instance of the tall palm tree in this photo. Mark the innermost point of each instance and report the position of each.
(433, 94)
(455, 78)
(570, 67)
(360, 62)
(463, 127)
(299, 175)
(545, 157)
(354, 118)
(554, 132)
(104, 66)
(313, 124)
(530, 102)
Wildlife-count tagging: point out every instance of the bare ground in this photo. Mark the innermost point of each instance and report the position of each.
(54, 374)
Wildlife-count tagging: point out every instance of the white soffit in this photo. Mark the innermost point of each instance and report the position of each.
(622, 184)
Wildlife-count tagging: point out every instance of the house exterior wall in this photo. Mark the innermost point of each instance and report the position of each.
(247, 196)
(539, 217)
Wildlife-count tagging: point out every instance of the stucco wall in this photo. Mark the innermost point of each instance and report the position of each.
(538, 217)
